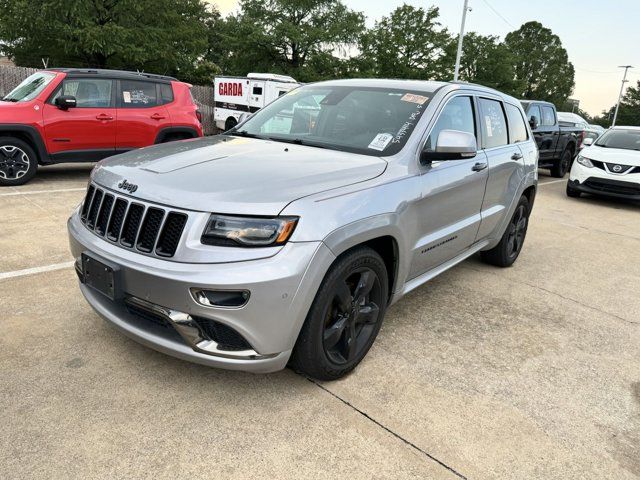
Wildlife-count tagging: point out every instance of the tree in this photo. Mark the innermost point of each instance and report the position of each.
(484, 60)
(160, 36)
(541, 63)
(409, 43)
(302, 38)
(629, 111)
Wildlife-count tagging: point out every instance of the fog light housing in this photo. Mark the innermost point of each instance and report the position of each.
(221, 298)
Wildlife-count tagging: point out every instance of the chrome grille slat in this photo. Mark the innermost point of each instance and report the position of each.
(133, 225)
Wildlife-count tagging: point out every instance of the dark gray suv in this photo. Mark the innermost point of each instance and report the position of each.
(284, 240)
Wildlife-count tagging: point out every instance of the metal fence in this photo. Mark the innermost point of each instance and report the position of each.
(10, 77)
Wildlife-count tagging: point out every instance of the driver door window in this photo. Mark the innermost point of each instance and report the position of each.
(456, 115)
(89, 92)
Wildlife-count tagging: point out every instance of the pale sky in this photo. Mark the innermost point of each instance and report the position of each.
(598, 34)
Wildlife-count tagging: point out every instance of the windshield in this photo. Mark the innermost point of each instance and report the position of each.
(624, 139)
(30, 88)
(368, 120)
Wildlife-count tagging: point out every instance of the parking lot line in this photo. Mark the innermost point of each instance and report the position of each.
(34, 270)
(552, 181)
(35, 192)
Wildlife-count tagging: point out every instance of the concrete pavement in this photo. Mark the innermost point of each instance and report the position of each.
(527, 372)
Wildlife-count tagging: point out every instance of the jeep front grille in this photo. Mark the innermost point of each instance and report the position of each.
(133, 225)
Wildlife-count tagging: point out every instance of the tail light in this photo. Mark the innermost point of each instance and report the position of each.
(199, 115)
(581, 137)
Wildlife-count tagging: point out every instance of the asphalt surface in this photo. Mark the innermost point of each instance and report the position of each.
(484, 373)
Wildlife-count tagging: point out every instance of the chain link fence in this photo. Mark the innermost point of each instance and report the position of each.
(10, 77)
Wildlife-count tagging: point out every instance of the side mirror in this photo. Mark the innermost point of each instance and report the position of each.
(452, 145)
(533, 121)
(65, 102)
(587, 142)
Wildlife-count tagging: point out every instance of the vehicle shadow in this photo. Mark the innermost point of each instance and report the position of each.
(66, 172)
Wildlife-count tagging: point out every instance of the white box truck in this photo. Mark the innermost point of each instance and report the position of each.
(235, 97)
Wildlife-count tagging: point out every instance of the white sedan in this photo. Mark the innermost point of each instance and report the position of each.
(610, 166)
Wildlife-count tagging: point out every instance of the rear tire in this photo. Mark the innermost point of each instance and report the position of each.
(345, 316)
(507, 251)
(18, 162)
(230, 123)
(572, 192)
(560, 169)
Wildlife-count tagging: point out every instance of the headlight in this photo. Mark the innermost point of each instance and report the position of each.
(231, 231)
(584, 161)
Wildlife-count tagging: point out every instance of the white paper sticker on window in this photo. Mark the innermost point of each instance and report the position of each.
(487, 122)
(410, 97)
(381, 141)
(126, 96)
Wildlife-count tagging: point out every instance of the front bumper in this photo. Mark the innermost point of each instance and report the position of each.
(282, 289)
(596, 181)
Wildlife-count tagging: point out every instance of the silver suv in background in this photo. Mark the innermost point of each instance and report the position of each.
(284, 240)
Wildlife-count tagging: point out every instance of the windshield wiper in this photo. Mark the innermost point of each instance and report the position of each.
(298, 141)
(5, 99)
(244, 133)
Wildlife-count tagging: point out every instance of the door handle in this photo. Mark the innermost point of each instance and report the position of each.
(478, 167)
(516, 156)
(104, 116)
(157, 116)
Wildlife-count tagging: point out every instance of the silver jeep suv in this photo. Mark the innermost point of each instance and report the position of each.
(284, 240)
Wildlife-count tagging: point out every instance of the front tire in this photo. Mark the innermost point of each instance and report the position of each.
(18, 162)
(345, 316)
(572, 192)
(507, 251)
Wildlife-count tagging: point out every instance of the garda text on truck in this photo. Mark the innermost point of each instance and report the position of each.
(236, 97)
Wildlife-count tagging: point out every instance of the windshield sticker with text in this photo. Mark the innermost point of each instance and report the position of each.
(406, 127)
(381, 141)
(410, 97)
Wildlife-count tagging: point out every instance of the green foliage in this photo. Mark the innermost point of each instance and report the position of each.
(298, 37)
(409, 43)
(160, 36)
(541, 64)
(485, 60)
(629, 112)
(308, 39)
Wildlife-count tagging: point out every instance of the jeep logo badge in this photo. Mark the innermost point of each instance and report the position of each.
(617, 168)
(129, 187)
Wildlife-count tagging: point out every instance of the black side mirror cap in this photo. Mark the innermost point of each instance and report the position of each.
(533, 122)
(65, 102)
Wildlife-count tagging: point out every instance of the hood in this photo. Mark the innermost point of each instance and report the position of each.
(612, 155)
(225, 174)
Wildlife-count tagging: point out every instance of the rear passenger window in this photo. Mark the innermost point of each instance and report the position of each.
(166, 92)
(517, 127)
(136, 94)
(456, 115)
(548, 117)
(493, 123)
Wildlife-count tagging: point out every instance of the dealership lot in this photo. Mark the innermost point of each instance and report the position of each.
(528, 372)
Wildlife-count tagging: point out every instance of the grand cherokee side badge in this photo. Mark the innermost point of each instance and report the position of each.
(130, 187)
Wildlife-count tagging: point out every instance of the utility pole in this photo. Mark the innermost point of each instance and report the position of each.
(624, 80)
(460, 39)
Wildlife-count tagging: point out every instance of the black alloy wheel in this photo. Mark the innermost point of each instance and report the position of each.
(352, 316)
(345, 316)
(517, 230)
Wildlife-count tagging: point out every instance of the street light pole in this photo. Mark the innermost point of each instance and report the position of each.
(460, 39)
(624, 80)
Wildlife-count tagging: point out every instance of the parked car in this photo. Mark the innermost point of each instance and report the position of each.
(597, 128)
(80, 115)
(610, 166)
(557, 143)
(285, 239)
(571, 119)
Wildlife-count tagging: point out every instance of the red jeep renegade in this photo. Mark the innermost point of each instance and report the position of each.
(81, 115)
